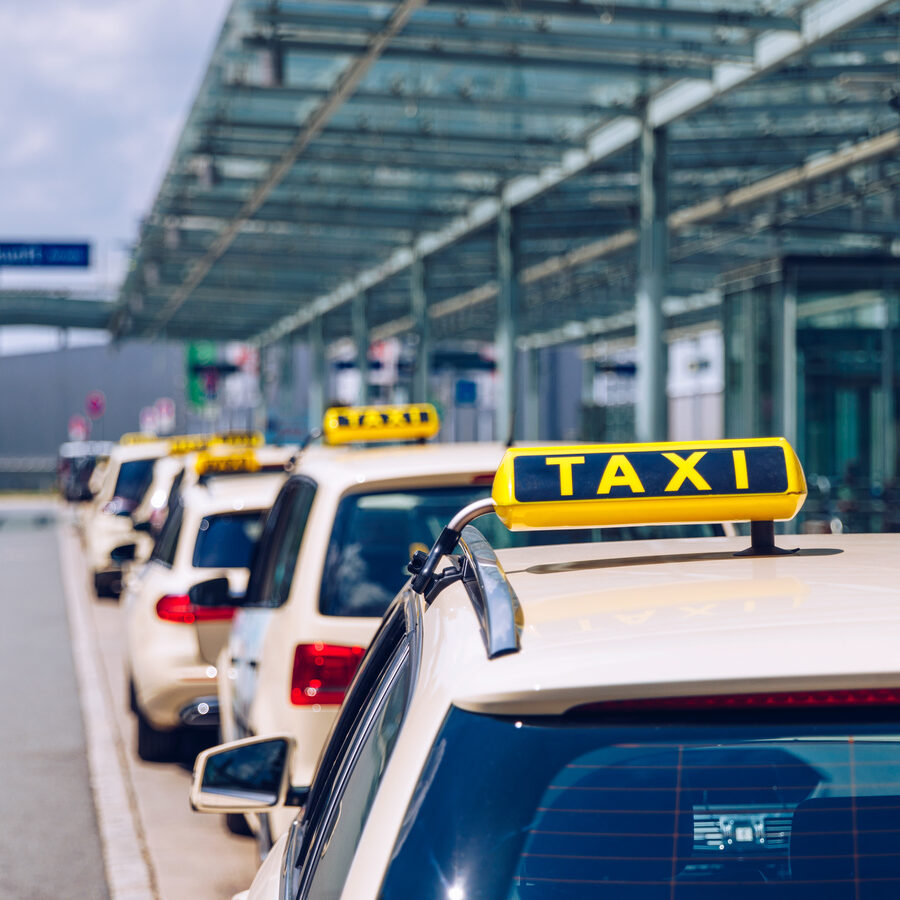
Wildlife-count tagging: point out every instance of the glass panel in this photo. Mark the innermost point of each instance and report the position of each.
(375, 535)
(576, 809)
(228, 540)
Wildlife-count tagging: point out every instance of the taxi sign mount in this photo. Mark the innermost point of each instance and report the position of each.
(598, 485)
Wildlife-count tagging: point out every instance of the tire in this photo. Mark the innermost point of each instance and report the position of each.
(237, 824)
(154, 745)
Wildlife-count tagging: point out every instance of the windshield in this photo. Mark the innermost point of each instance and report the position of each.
(580, 810)
(228, 540)
(134, 479)
(376, 534)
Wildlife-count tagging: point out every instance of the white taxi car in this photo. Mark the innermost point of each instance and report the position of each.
(668, 719)
(178, 607)
(106, 523)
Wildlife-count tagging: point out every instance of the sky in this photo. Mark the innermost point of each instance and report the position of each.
(93, 94)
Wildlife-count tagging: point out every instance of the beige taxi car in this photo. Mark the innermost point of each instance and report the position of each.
(681, 719)
(178, 607)
(106, 523)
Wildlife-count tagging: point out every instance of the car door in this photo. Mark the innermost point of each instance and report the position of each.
(323, 840)
(268, 589)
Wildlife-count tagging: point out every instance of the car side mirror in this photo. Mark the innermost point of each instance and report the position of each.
(244, 776)
(215, 592)
(144, 526)
(122, 554)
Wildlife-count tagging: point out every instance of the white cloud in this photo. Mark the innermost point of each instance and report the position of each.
(93, 94)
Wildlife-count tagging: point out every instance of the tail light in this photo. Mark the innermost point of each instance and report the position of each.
(178, 608)
(778, 700)
(322, 673)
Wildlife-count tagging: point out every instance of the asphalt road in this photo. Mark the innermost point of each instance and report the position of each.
(80, 815)
(49, 842)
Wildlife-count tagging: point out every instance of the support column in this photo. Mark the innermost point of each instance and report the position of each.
(888, 391)
(651, 410)
(361, 340)
(531, 418)
(419, 304)
(788, 367)
(505, 337)
(318, 374)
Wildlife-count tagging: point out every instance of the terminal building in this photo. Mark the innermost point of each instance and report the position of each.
(555, 219)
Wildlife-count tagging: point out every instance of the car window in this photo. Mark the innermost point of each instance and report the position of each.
(227, 540)
(789, 806)
(167, 542)
(356, 785)
(273, 569)
(375, 534)
(134, 479)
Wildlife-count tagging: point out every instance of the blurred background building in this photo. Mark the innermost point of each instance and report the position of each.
(555, 219)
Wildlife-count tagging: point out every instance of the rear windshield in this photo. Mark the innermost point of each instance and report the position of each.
(375, 535)
(579, 810)
(228, 540)
(134, 479)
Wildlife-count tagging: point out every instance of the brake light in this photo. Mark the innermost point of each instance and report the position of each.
(485, 478)
(322, 673)
(779, 700)
(178, 608)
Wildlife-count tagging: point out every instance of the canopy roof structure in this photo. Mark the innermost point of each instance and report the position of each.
(433, 157)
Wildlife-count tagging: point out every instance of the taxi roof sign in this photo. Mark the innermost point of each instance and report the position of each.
(190, 443)
(410, 422)
(596, 485)
(226, 464)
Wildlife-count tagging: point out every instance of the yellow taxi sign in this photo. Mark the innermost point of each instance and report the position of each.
(139, 437)
(239, 438)
(226, 464)
(345, 424)
(596, 485)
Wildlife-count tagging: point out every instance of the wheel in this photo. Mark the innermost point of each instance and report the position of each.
(237, 824)
(154, 745)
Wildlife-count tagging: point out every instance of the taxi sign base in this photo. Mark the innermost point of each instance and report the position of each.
(762, 541)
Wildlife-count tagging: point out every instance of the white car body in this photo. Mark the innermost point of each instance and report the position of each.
(171, 663)
(255, 670)
(599, 623)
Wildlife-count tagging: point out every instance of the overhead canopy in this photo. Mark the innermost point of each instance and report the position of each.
(333, 143)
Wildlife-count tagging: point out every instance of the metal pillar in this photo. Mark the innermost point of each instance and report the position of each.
(651, 409)
(888, 390)
(361, 340)
(419, 304)
(318, 375)
(789, 384)
(505, 337)
(531, 418)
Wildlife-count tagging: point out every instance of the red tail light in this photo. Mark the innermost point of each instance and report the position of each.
(780, 700)
(178, 608)
(322, 673)
(485, 478)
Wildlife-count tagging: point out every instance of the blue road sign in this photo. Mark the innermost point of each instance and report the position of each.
(40, 254)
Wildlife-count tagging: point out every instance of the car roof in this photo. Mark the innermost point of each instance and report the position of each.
(229, 493)
(621, 620)
(344, 467)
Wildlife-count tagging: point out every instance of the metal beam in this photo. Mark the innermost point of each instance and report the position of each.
(651, 402)
(821, 20)
(344, 86)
